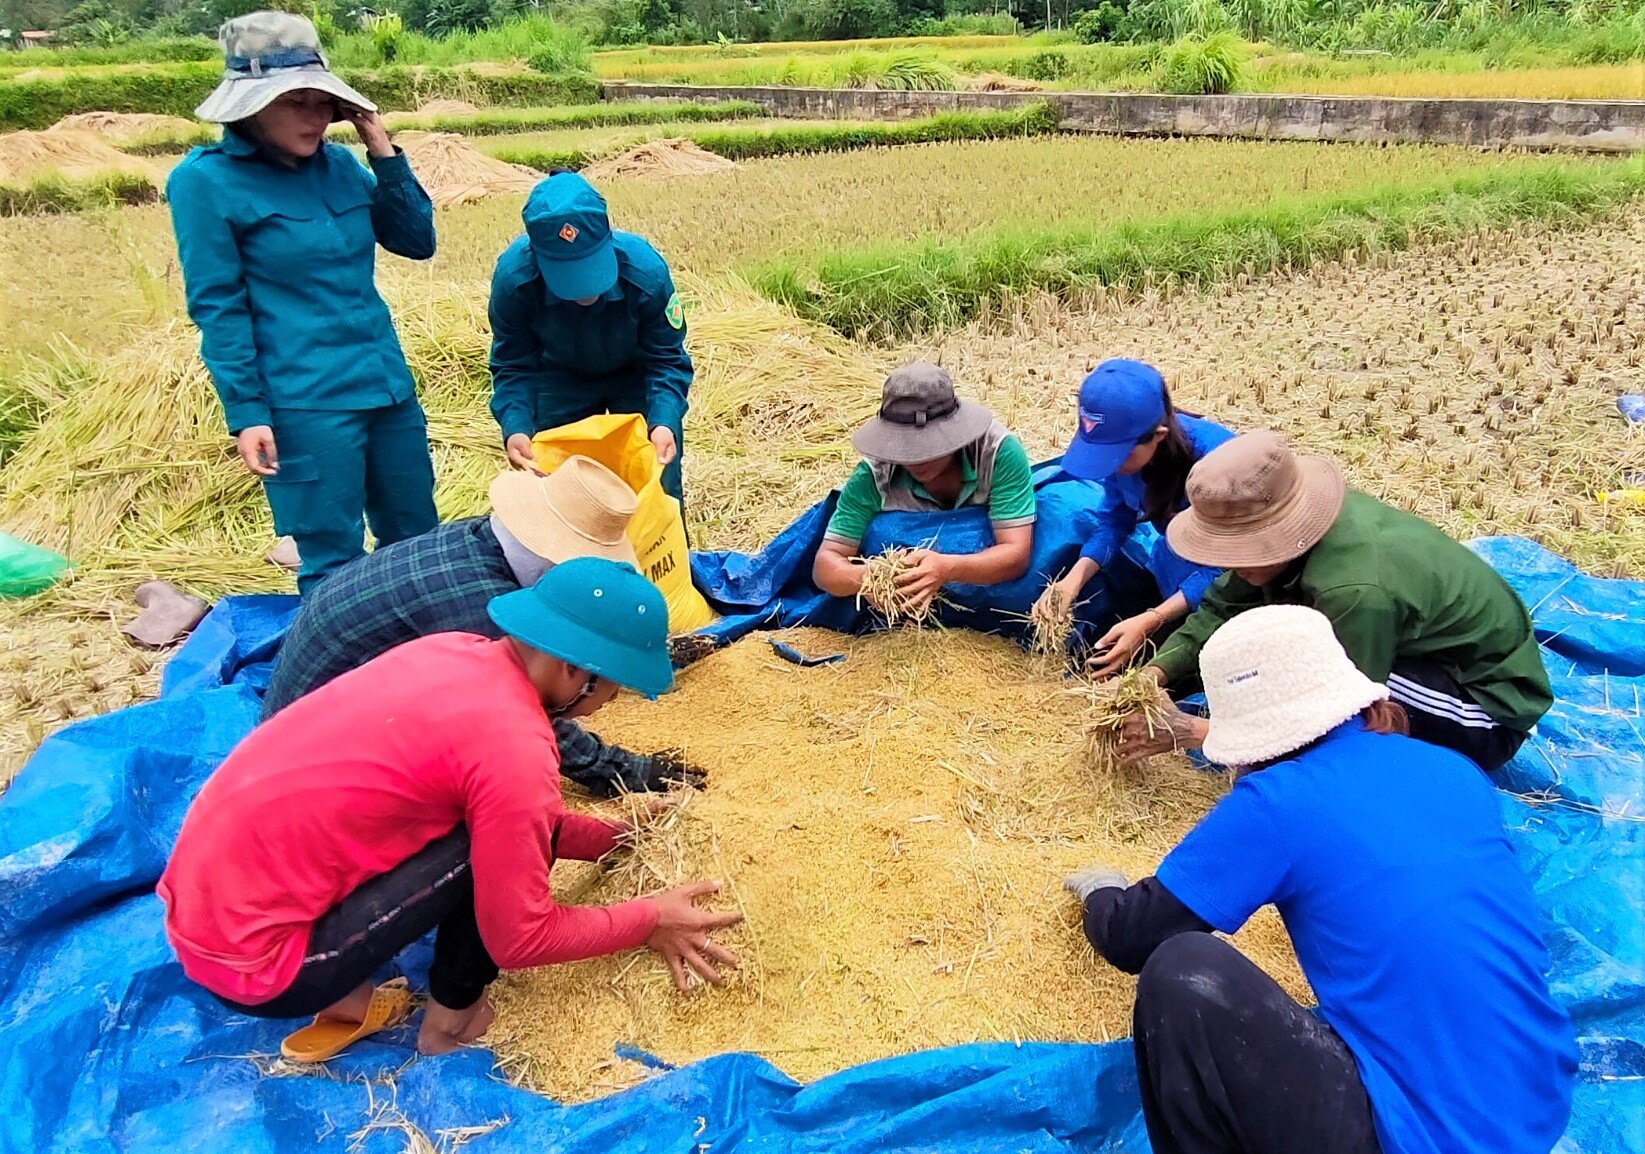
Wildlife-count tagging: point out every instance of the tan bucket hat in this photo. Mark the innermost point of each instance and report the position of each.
(265, 56)
(1254, 502)
(581, 509)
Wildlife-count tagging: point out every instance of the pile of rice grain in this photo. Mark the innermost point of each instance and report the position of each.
(896, 828)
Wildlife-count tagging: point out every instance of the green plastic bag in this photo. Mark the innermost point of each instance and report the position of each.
(27, 569)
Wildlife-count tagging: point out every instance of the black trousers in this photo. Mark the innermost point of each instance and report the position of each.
(431, 890)
(1442, 713)
(1230, 1064)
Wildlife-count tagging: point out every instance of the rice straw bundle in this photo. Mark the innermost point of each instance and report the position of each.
(454, 173)
(880, 589)
(659, 159)
(125, 127)
(71, 154)
(1051, 625)
(895, 828)
(1107, 707)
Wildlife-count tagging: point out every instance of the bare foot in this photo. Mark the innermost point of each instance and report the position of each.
(350, 1009)
(445, 1029)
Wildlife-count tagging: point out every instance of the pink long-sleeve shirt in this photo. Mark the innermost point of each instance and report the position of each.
(355, 778)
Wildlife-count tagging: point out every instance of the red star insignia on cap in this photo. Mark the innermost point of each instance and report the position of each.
(568, 233)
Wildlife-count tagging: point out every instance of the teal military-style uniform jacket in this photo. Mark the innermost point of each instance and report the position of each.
(279, 269)
(554, 362)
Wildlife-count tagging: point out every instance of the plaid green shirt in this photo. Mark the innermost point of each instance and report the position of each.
(439, 582)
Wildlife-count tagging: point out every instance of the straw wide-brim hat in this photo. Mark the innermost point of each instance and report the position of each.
(266, 55)
(582, 509)
(920, 418)
(1253, 502)
(1276, 679)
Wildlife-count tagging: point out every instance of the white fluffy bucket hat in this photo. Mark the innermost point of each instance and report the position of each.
(1277, 678)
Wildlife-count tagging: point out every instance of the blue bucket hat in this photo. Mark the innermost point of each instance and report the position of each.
(570, 235)
(598, 615)
(1121, 402)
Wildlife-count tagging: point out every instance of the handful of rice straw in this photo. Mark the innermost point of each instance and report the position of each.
(1051, 625)
(1108, 704)
(880, 589)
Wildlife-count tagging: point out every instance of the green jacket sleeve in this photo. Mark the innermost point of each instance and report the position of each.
(1367, 622)
(1228, 596)
(514, 359)
(662, 358)
(215, 289)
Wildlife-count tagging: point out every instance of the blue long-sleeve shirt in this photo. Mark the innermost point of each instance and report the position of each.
(553, 361)
(279, 269)
(1122, 510)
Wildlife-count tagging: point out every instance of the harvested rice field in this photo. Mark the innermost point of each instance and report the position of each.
(125, 260)
(896, 828)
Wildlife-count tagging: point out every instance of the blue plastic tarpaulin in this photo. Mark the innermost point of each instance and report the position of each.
(104, 1045)
(772, 589)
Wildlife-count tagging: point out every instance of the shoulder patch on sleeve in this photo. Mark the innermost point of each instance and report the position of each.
(675, 312)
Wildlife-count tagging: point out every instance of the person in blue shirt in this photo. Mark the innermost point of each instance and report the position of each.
(585, 320)
(1411, 917)
(1139, 447)
(277, 233)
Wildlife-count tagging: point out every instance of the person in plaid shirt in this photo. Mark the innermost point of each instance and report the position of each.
(441, 582)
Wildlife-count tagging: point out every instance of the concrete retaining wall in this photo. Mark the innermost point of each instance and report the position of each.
(1587, 125)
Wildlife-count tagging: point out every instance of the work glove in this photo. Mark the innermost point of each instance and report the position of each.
(1083, 883)
(663, 770)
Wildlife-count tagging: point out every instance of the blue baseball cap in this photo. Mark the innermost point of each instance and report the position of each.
(598, 615)
(1121, 402)
(570, 235)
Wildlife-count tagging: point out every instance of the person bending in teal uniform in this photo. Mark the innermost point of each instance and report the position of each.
(277, 232)
(585, 320)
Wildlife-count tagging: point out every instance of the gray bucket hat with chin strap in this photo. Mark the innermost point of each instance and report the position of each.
(920, 418)
(268, 54)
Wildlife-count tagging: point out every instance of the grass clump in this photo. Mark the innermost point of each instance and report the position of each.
(787, 140)
(1203, 66)
(931, 284)
(917, 72)
(53, 193)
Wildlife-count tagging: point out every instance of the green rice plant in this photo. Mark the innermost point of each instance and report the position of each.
(1036, 119)
(917, 72)
(1203, 66)
(932, 284)
(53, 193)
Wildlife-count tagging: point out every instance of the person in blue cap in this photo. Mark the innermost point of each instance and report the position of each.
(417, 793)
(277, 232)
(585, 320)
(1132, 440)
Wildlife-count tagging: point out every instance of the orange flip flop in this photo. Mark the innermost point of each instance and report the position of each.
(323, 1038)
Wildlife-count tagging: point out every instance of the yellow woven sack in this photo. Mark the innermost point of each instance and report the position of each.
(619, 442)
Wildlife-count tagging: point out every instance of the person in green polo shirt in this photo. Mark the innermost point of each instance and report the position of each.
(1412, 608)
(928, 451)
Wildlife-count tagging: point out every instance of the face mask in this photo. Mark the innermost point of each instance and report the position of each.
(583, 694)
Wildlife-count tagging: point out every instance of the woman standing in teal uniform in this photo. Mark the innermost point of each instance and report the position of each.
(1133, 441)
(277, 233)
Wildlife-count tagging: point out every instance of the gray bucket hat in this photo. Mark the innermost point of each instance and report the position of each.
(269, 54)
(920, 418)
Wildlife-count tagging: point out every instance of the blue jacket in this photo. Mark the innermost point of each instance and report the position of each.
(553, 362)
(279, 268)
(1121, 512)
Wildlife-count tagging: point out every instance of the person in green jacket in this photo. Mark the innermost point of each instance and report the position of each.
(1412, 608)
(277, 232)
(585, 320)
